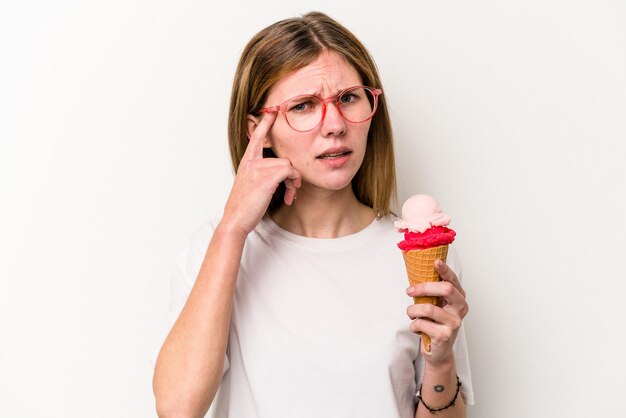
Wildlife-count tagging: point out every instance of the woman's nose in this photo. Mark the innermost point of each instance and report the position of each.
(333, 123)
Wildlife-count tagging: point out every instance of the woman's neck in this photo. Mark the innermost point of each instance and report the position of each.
(324, 214)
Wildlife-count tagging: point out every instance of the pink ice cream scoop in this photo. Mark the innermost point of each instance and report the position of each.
(419, 213)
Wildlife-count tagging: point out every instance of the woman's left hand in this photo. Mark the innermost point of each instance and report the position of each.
(441, 323)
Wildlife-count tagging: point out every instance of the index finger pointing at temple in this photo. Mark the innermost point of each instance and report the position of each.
(255, 146)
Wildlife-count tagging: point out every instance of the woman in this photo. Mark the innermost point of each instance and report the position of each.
(293, 303)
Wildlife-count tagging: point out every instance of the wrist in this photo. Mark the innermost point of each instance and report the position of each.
(439, 388)
(440, 368)
(231, 230)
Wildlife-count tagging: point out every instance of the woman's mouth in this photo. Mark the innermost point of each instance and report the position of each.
(331, 155)
(335, 157)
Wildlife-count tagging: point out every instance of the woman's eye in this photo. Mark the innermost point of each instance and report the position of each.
(348, 98)
(301, 107)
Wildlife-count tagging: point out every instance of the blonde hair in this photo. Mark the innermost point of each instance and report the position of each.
(287, 46)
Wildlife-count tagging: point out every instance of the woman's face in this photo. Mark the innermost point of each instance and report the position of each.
(328, 156)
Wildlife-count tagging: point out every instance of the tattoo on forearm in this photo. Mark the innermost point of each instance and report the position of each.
(439, 388)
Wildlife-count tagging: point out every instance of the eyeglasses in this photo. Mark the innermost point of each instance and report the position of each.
(306, 112)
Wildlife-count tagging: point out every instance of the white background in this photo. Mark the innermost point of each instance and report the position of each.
(113, 150)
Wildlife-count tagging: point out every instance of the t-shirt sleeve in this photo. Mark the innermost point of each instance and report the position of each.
(460, 345)
(185, 268)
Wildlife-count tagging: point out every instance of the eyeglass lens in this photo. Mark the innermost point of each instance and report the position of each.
(305, 112)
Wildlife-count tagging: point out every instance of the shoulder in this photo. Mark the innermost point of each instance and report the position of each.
(385, 231)
(200, 238)
(189, 258)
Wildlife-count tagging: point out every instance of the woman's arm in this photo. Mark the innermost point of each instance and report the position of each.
(189, 367)
(442, 324)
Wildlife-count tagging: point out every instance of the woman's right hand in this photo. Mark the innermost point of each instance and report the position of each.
(256, 181)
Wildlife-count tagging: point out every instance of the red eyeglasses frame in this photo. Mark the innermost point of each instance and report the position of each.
(283, 108)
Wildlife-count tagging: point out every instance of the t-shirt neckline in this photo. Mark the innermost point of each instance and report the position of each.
(356, 239)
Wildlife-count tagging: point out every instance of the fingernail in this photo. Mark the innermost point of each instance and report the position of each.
(410, 290)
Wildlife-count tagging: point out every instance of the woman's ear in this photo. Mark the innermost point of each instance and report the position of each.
(252, 123)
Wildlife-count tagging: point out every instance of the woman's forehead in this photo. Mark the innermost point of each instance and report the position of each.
(328, 74)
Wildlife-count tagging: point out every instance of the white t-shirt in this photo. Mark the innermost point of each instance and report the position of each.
(318, 327)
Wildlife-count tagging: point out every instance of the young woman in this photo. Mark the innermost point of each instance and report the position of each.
(294, 303)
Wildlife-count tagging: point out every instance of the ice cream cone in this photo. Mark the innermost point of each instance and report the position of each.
(420, 268)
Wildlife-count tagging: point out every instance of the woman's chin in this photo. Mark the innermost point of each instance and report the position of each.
(331, 185)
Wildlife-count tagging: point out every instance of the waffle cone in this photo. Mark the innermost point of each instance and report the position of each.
(420, 268)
